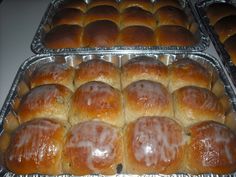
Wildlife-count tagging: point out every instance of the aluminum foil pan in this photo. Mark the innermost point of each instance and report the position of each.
(19, 87)
(38, 47)
(201, 7)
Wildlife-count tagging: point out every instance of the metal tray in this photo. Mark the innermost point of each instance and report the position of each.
(201, 10)
(38, 47)
(73, 60)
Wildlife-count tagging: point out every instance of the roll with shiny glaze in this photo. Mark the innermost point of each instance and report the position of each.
(230, 47)
(144, 4)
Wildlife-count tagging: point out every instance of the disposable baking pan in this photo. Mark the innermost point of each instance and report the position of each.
(38, 47)
(201, 7)
(19, 86)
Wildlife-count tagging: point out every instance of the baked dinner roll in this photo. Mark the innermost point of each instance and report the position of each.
(53, 73)
(218, 10)
(68, 16)
(52, 101)
(144, 4)
(185, 71)
(94, 3)
(169, 15)
(97, 70)
(93, 147)
(194, 104)
(103, 12)
(144, 68)
(230, 46)
(162, 3)
(75, 4)
(64, 36)
(172, 35)
(137, 16)
(225, 27)
(154, 145)
(99, 101)
(146, 98)
(36, 147)
(102, 33)
(136, 36)
(211, 149)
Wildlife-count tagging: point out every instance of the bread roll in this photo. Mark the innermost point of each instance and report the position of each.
(169, 15)
(144, 4)
(102, 33)
(230, 46)
(172, 35)
(36, 147)
(146, 98)
(75, 4)
(154, 145)
(68, 16)
(63, 36)
(225, 27)
(99, 101)
(136, 36)
(103, 12)
(97, 70)
(194, 104)
(183, 72)
(93, 147)
(211, 149)
(94, 3)
(218, 10)
(53, 73)
(52, 101)
(162, 3)
(137, 16)
(144, 68)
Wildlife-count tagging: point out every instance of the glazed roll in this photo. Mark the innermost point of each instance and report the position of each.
(144, 4)
(93, 147)
(185, 72)
(162, 3)
(172, 35)
(53, 73)
(75, 4)
(194, 104)
(154, 145)
(230, 46)
(36, 147)
(52, 101)
(94, 3)
(146, 98)
(144, 68)
(97, 101)
(211, 149)
(97, 70)
(102, 33)
(71, 37)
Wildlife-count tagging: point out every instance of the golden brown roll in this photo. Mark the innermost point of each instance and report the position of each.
(154, 145)
(230, 47)
(211, 149)
(64, 36)
(218, 10)
(96, 100)
(68, 16)
(162, 3)
(146, 98)
(144, 68)
(172, 35)
(144, 4)
(36, 147)
(194, 104)
(136, 36)
(102, 33)
(94, 3)
(169, 15)
(52, 101)
(183, 72)
(103, 12)
(53, 73)
(225, 27)
(97, 70)
(76, 4)
(137, 16)
(93, 147)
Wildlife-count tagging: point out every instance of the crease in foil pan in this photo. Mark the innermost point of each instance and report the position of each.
(201, 7)
(74, 59)
(38, 47)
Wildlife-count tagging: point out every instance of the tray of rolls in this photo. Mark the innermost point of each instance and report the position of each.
(132, 25)
(119, 114)
(219, 19)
